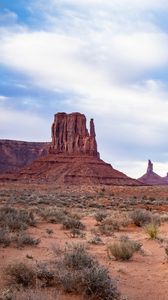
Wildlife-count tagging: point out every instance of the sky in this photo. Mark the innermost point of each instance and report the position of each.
(107, 59)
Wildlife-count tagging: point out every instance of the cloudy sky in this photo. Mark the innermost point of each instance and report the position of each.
(105, 58)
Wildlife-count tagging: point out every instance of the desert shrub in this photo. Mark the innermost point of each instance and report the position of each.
(15, 220)
(21, 274)
(113, 223)
(164, 218)
(141, 217)
(81, 273)
(71, 281)
(134, 244)
(106, 229)
(75, 271)
(76, 257)
(46, 274)
(152, 230)
(98, 284)
(100, 216)
(74, 215)
(96, 240)
(5, 239)
(109, 225)
(70, 223)
(54, 215)
(27, 240)
(121, 250)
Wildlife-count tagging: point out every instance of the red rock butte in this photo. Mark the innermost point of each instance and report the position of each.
(151, 178)
(72, 158)
(71, 137)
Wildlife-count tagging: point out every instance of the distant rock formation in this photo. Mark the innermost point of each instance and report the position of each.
(151, 178)
(71, 137)
(73, 157)
(16, 154)
(150, 167)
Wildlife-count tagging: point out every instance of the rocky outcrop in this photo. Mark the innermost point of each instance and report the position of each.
(71, 137)
(16, 154)
(150, 167)
(151, 178)
(73, 157)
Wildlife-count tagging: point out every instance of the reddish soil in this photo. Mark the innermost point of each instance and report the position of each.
(145, 276)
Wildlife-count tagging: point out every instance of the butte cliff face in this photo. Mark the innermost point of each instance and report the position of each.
(17, 154)
(71, 137)
(73, 157)
(151, 178)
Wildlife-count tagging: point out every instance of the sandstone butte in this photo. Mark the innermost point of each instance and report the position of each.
(151, 178)
(72, 157)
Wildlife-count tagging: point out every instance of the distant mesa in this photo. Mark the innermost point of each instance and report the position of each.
(71, 158)
(14, 155)
(151, 178)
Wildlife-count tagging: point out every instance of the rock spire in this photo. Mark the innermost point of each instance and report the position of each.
(150, 167)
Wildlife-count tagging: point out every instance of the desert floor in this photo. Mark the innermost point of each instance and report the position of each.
(144, 276)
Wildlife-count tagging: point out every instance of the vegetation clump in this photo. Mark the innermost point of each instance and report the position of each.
(74, 271)
(152, 230)
(27, 240)
(16, 219)
(21, 273)
(5, 238)
(72, 223)
(54, 215)
(141, 217)
(100, 216)
(123, 249)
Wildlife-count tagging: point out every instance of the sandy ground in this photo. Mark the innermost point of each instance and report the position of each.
(144, 277)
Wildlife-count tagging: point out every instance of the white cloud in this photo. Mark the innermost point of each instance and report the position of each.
(115, 4)
(104, 53)
(3, 98)
(15, 124)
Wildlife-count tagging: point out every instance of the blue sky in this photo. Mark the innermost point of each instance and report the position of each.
(105, 58)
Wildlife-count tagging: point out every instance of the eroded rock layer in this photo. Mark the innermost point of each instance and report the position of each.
(16, 154)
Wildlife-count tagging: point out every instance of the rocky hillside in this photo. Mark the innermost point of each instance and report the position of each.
(16, 154)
